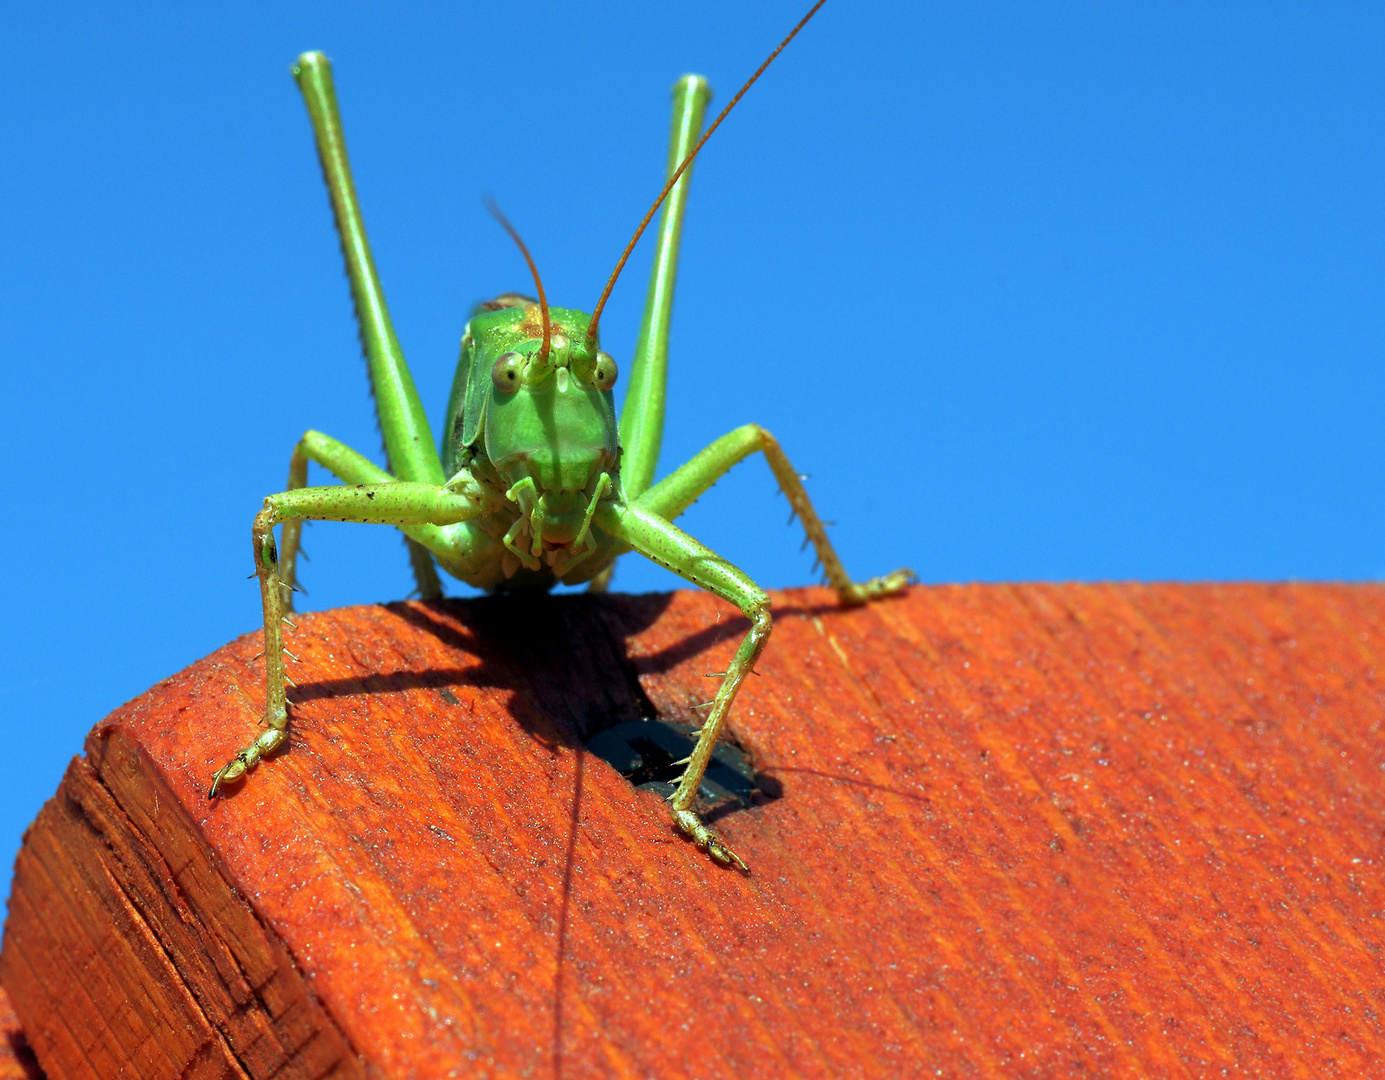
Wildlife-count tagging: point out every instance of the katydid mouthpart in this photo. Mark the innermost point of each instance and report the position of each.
(536, 483)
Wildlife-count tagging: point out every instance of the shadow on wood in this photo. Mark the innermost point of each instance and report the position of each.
(1024, 830)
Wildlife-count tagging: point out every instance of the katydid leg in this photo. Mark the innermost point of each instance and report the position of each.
(642, 415)
(352, 468)
(680, 489)
(602, 580)
(409, 443)
(342, 462)
(429, 585)
(669, 546)
(418, 509)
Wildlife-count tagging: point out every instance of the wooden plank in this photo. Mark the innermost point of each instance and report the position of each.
(1109, 830)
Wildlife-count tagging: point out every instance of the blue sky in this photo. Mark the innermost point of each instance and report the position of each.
(1031, 291)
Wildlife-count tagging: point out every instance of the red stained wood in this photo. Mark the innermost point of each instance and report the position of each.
(1038, 830)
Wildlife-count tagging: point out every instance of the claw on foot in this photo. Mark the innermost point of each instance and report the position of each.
(899, 579)
(235, 769)
(875, 588)
(227, 774)
(709, 841)
(724, 854)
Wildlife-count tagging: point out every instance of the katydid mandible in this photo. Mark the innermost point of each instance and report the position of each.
(536, 483)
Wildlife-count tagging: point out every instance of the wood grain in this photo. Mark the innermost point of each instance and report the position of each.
(1037, 830)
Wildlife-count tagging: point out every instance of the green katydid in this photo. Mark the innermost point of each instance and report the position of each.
(536, 483)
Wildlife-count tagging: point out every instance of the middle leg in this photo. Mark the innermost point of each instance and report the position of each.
(671, 547)
(349, 467)
(680, 489)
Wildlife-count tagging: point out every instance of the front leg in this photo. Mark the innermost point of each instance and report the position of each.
(670, 547)
(416, 508)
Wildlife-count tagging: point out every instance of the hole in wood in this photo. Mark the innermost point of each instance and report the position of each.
(644, 752)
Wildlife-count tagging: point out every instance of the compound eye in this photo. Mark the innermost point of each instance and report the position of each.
(508, 373)
(604, 376)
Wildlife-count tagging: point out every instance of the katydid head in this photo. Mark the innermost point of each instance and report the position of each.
(547, 419)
